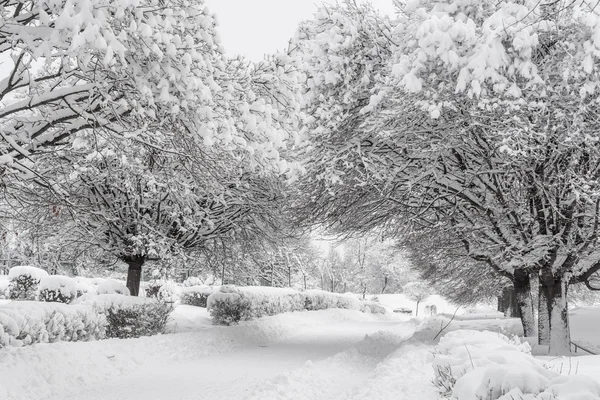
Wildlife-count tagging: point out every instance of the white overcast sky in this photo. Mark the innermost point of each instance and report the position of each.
(256, 27)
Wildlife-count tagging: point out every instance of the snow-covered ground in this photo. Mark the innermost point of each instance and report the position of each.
(201, 361)
(317, 355)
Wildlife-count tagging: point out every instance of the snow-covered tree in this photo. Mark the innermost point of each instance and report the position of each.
(483, 122)
(441, 260)
(378, 265)
(417, 292)
(158, 141)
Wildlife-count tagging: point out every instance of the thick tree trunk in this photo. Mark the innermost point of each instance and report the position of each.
(134, 273)
(555, 293)
(417, 308)
(507, 303)
(524, 303)
(543, 316)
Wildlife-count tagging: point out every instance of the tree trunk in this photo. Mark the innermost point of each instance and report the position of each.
(385, 282)
(417, 308)
(524, 303)
(134, 273)
(555, 293)
(543, 316)
(508, 303)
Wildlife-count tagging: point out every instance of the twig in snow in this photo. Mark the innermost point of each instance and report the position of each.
(470, 358)
(445, 326)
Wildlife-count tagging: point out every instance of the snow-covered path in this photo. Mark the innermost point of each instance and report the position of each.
(331, 354)
(236, 374)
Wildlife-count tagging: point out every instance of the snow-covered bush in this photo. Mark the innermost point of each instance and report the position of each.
(109, 286)
(322, 300)
(163, 290)
(24, 281)
(229, 308)
(26, 322)
(459, 352)
(196, 295)
(192, 281)
(372, 307)
(233, 304)
(57, 288)
(169, 292)
(84, 286)
(347, 301)
(130, 316)
(152, 288)
(473, 365)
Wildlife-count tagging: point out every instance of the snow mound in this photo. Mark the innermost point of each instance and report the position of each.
(474, 365)
(203, 289)
(382, 343)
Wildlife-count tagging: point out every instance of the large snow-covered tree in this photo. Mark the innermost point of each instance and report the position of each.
(440, 259)
(483, 121)
(148, 135)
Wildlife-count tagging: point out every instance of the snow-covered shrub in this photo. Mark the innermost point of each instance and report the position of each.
(57, 288)
(163, 290)
(152, 288)
(109, 286)
(322, 300)
(130, 316)
(347, 301)
(372, 307)
(473, 365)
(271, 301)
(196, 295)
(228, 306)
(84, 286)
(24, 281)
(318, 300)
(233, 304)
(192, 281)
(459, 352)
(169, 292)
(26, 322)
(137, 320)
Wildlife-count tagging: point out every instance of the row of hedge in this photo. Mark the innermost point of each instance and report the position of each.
(94, 317)
(31, 283)
(233, 304)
